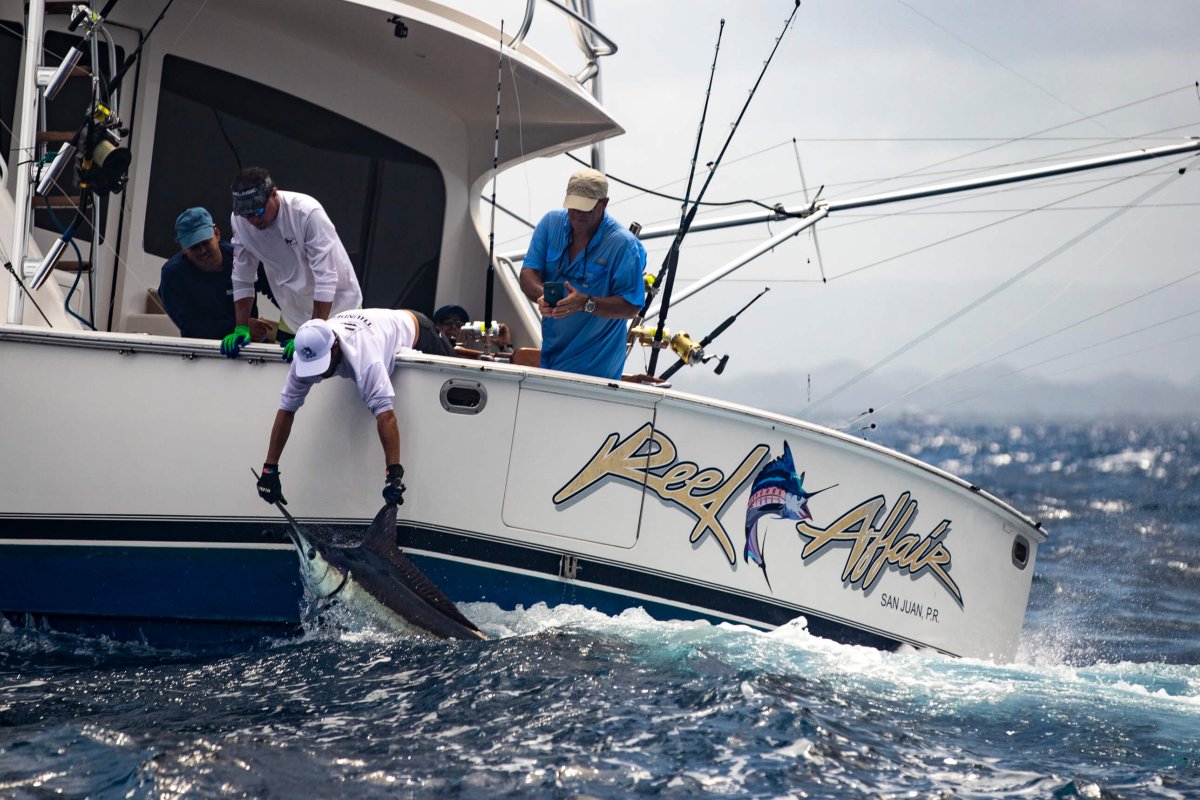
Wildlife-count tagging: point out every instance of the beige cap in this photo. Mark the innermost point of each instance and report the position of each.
(585, 188)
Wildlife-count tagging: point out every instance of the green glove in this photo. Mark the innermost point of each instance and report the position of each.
(235, 341)
(289, 349)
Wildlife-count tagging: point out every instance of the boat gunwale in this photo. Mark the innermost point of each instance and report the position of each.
(132, 343)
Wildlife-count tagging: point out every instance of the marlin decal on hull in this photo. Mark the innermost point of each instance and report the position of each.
(376, 577)
(777, 493)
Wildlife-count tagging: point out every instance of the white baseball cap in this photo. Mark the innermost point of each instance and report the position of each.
(314, 341)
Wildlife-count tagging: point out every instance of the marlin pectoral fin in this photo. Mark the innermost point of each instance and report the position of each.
(753, 551)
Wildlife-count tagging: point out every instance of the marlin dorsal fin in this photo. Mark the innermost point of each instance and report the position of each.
(381, 536)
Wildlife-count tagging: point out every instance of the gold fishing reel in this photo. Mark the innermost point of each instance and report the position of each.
(681, 344)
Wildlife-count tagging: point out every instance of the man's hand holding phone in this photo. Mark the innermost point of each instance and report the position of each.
(554, 292)
(558, 299)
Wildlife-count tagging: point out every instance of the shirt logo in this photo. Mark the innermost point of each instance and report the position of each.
(289, 241)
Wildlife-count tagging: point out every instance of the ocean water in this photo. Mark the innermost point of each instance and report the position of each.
(1102, 702)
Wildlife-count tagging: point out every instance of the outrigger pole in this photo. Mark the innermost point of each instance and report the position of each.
(815, 212)
(672, 259)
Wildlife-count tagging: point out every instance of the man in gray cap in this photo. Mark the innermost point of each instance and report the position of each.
(196, 283)
(584, 270)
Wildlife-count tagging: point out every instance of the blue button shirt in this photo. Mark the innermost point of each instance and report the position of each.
(610, 266)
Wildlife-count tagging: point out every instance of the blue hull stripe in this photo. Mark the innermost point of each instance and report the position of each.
(255, 587)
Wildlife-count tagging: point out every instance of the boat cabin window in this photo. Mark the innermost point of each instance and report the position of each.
(10, 65)
(386, 199)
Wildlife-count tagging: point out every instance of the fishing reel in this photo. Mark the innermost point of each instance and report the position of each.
(682, 345)
(105, 167)
(489, 338)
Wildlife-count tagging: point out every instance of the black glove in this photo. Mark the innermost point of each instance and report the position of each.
(393, 490)
(269, 488)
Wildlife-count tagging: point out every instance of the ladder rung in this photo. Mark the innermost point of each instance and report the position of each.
(56, 201)
(49, 137)
(73, 266)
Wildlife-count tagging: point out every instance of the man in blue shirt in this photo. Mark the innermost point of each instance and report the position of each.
(196, 284)
(600, 265)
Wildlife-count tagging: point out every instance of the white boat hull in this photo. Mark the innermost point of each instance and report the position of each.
(523, 486)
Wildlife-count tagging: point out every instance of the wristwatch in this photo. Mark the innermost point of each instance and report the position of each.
(590, 305)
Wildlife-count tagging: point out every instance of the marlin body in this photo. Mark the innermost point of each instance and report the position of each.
(777, 493)
(377, 578)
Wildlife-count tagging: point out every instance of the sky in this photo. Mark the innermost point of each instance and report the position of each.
(1064, 281)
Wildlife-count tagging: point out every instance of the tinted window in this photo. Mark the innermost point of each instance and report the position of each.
(386, 199)
(10, 69)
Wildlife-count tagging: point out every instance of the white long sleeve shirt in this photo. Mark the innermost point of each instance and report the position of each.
(370, 339)
(303, 257)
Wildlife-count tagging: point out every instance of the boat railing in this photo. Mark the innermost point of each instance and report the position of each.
(593, 43)
(510, 279)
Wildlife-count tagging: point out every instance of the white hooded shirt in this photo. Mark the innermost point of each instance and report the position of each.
(369, 339)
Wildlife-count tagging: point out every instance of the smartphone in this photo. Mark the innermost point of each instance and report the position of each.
(554, 292)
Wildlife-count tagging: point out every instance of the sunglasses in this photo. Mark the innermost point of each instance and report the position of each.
(254, 214)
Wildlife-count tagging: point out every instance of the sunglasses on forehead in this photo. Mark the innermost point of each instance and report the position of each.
(251, 202)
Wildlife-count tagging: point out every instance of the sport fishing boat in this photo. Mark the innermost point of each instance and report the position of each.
(126, 504)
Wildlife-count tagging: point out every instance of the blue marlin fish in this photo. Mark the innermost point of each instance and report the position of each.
(777, 493)
(374, 576)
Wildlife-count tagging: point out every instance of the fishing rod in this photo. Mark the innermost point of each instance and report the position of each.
(137, 53)
(8, 265)
(672, 259)
(491, 265)
(652, 282)
(717, 331)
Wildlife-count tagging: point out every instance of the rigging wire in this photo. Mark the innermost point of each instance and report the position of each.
(998, 62)
(1107, 341)
(1064, 329)
(950, 373)
(1107, 359)
(664, 196)
(953, 173)
(1052, 206)
(516, 89)
(990, 294)
(1031, 136)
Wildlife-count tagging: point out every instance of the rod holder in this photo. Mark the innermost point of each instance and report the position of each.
(64, 156)
(55, 84)
(47, 264)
